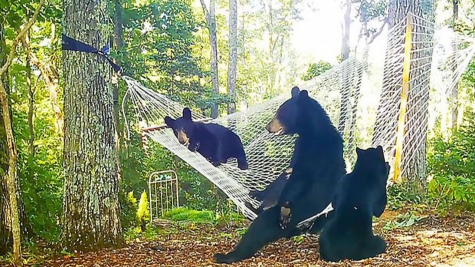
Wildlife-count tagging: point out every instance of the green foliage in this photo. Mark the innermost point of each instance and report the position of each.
(298, 239)
(451, 164)
(404, 220)
(136, 233)
(185, 214)
(128, 210)
(400, 195)
(316, 69)
(159, 38)
(40, 162)
(143, 212)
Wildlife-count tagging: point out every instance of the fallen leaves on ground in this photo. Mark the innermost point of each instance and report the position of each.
(433, 241)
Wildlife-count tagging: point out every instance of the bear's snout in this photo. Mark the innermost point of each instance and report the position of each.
(275, 126)
(182, 138)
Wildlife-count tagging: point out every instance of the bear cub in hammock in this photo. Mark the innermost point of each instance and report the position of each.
(214, 142)
(360, 195)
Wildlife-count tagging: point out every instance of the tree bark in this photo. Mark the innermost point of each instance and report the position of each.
(233, 43)
(213, 40)
(90, 218)
(119, 45)
(347, 73)
(414, 152)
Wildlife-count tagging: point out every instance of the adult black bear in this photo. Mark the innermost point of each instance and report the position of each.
(360, 195)
(214, 142)
(319, 165)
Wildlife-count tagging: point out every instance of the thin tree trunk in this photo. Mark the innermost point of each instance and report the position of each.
(11, 175)
(31, 109)
(454, 90)
(347, 80)
(213, 39)
(90, 218)
(233, 43)
(118, 45)
(272, 41)
(6, 237)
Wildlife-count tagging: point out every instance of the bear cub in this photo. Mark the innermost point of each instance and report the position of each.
(359, 196)
(214, 142)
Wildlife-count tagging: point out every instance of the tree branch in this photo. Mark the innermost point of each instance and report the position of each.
(49, 75)
(205, 10)
(379, 31)
(19, 36)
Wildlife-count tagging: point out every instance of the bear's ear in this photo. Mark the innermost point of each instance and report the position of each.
(169, 121)
(187, 114)
(380, 150)
(303, 94)
(295, 92)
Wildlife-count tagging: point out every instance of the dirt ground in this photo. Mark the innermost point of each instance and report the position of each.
(429, 241)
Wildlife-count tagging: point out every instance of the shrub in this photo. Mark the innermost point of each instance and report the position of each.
(451, 165)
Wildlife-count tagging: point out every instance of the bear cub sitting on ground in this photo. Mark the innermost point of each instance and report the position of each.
(214, 142)
(359, 195)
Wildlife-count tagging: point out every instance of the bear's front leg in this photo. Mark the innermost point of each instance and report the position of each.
(193, 146)
(217, 157)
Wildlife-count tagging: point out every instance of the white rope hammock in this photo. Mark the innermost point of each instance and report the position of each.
(269, 155)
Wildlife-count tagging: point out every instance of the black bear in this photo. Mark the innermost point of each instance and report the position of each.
(319, 165)
(214, 142)
(360, 195)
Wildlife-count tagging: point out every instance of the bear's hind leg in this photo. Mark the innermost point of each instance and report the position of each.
(263, 230)
(375, 245)
(378, 246)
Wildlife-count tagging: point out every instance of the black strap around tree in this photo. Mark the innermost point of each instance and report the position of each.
(71, 44)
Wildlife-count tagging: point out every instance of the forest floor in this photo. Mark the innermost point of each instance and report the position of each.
(412, 241)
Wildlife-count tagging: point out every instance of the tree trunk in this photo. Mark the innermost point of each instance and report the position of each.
(90, 218)
(6, 238)
(213, 40)
(414, 151)
(345, 90)
(118, 45)
(233, 43)
(454, 90)
(31, 110)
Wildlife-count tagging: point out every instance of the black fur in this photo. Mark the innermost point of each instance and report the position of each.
(214, 142)
(360, 195)
(318, 167)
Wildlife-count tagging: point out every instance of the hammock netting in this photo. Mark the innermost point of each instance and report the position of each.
(439, 58)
